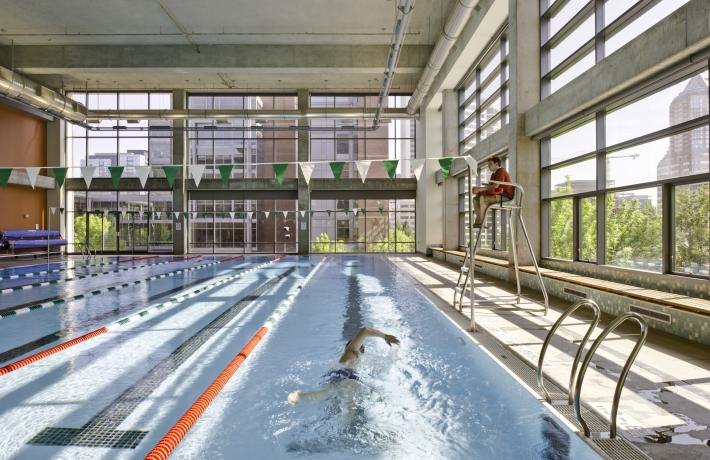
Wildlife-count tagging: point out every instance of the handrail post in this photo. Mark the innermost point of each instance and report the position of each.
(573, 373)
(624, 373)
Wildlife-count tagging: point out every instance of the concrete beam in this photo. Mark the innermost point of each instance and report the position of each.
(356, 185)
(46, 59)
(673, 40)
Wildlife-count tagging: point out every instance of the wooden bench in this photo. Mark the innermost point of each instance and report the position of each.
(669, 299)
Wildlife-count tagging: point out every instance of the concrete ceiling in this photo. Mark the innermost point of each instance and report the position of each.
(64, 43)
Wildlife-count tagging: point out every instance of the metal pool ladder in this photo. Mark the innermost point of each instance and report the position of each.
(576, 378)
(624, 372)
(573, 374)
(467, 274)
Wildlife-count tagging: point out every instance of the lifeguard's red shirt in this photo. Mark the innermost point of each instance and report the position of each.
(501, 175)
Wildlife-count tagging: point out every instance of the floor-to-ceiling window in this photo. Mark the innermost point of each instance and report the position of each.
(120, 221)
(363, 225)
(576, 34)
(627, 186)
(483, 95)
(349, 140)
(243, 226)
(126, 221)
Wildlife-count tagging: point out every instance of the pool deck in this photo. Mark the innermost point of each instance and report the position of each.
(667, 392)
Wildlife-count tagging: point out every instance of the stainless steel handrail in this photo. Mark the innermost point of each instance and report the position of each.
(573, 373)
(624, 373)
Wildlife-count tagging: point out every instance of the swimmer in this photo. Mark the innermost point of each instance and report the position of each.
(344, 374)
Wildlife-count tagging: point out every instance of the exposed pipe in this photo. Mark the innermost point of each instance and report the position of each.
(187, 114)
(455, 23)
(17, 87)
(400, 28)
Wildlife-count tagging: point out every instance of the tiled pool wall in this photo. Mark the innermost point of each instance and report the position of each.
(681, 323)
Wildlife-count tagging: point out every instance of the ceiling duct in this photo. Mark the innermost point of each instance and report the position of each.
(400, 28)
(455, 23)
(19, 88)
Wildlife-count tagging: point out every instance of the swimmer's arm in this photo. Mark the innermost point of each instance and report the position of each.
(366, 332)
(321, 393)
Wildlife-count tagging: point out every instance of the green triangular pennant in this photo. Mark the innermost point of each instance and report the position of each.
(363, 211)
(61, 210)
(381, 209)
(279, 172)
(225, 171)
(311, 212)
(337, 168)
(346, 211)
(445, 164)
(59, 175)
(170, 174)
(5, 176)
(391, 167)
(116, 172)
(328, 211)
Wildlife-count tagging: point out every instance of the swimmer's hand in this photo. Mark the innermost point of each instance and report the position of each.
(294, 398)
(390, 339)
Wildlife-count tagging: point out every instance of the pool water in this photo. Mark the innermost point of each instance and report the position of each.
(436, 395)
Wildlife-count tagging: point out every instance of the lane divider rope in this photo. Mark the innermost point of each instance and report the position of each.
(57, 270)
(172, 438)
(123, 321)
(136, 259)
(117, 287)
(80, 277)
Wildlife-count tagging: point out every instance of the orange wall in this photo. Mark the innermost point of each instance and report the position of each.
(23, 142)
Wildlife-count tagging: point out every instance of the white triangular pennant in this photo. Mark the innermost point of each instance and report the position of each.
(52, 209)
(231, 215)
(362, 167)
(123, 213)
(303, 214)
(177, 215)
(143, 173)
(471, 162)
(157, 215)
(194, 215)
(267, 213)
(87, 172)
(196, 172)
(418, 167)
(32, 174)
(285, 214)
(307, 170)
(355, 211)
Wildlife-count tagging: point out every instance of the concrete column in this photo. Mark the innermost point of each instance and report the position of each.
(523, 152)
(430, 213)
(56, 156)
(180, 199)
(304, 192)
(450, 148)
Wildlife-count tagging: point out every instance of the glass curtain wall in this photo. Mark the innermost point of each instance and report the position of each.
(628, 185)
(348, 140)
(483, 95)
(576, 34)
(378, 226)
(112, 221)
(242, 226)
(242, 142)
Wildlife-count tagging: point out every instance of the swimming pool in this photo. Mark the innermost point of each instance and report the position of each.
(437, 395)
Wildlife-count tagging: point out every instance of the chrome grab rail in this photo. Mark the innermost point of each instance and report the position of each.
(573, 374)
(624, 373)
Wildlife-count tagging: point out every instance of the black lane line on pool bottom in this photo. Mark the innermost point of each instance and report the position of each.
(101, 430)
(20, 350)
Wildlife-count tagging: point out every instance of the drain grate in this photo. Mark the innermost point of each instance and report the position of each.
(620, 449)
(595, 424)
